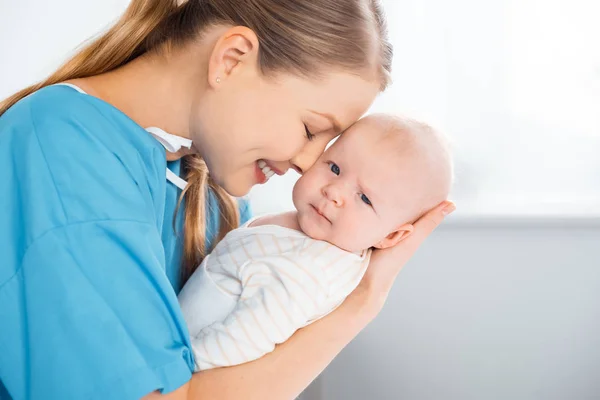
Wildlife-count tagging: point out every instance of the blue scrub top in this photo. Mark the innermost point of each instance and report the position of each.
(89, 261)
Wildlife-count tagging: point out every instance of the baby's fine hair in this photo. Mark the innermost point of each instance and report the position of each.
(426, 146)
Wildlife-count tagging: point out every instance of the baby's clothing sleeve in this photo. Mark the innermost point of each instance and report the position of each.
(278, 295)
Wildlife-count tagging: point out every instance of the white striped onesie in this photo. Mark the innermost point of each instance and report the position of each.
(260, 285)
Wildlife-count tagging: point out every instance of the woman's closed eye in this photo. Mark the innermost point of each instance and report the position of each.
(309, 135)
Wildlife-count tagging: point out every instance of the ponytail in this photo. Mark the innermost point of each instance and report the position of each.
(194, 241)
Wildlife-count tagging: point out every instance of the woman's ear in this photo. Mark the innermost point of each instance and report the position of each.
(236, 48)
(395, 237)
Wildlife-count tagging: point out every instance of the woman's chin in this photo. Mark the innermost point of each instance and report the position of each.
(240, 184)
(236, 187)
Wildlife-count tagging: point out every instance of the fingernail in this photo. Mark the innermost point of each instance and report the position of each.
(449, 209)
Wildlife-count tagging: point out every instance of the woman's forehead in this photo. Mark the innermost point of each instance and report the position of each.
(344, 96)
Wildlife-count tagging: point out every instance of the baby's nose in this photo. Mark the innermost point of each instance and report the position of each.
(334, 194)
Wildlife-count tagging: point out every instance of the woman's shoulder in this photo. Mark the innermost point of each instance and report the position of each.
(69, 145)
(69, 125)
(52, 103)
(59, 108)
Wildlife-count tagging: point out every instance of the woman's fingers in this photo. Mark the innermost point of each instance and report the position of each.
(386, 264)
(425, 226)
(398, 255)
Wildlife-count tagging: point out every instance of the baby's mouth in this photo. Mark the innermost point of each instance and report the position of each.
(320, 213)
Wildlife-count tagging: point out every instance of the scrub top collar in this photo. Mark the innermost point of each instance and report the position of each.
(171, 143)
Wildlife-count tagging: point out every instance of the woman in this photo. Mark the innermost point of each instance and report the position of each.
(97, 243)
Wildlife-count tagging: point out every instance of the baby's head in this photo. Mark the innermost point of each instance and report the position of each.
(368, 188)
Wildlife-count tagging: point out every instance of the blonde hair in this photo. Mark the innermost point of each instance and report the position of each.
(299, 36)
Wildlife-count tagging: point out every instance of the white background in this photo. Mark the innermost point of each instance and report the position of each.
(493, 307)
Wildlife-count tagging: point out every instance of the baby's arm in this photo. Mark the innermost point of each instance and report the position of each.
(280, 295)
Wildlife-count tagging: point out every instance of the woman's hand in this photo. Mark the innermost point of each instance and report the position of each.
(386, 264)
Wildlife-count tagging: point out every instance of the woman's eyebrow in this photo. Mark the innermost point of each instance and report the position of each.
(331, 118)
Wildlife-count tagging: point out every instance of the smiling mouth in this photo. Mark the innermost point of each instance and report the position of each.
(268, 169)
(320, 213)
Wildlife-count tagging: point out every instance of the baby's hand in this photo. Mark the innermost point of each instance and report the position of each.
(386, 264)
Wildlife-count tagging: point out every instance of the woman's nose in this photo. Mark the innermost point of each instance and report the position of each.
(309, 154)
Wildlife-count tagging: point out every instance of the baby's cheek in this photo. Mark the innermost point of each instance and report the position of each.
(310, 228)
(365, 232)
(351, 231)
(354, 223)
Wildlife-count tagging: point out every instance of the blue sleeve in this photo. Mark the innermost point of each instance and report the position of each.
(92, 315)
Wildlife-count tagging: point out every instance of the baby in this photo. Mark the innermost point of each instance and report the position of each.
(279, 273)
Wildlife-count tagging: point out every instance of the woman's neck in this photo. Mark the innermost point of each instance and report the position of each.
(153, 90)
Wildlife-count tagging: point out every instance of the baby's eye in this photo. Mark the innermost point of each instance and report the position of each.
(334, 168)
(365, 199)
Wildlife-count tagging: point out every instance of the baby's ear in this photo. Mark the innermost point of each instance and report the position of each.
(395, 237)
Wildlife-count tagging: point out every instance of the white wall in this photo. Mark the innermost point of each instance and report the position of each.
(37, 36)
